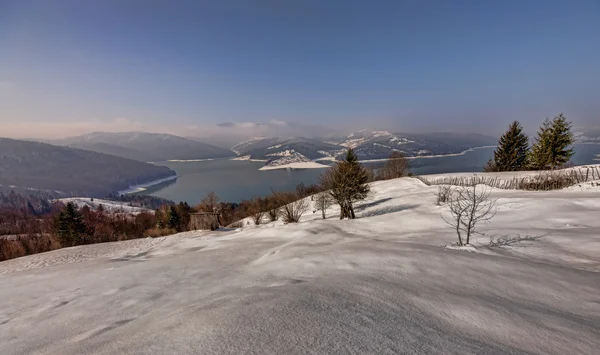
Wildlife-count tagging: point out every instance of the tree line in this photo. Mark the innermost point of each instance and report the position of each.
(552, 148)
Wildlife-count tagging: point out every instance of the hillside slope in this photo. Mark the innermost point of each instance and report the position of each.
(144, 146)
(67, 171)
(379, 284)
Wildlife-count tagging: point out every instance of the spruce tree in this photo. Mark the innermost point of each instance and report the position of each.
(347, 182)
(511, 153)
(71, 228)
(551, 149)
(174, 219)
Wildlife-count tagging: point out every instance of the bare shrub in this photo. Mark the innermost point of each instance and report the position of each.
(322, 201)
(510, 240)
(469, 206)
(210, 203)
(443, 194)
(294, 207)
(159, 232)
(542, 181)
(395, 167)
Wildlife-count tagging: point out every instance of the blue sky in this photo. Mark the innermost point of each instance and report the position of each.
(73, 66)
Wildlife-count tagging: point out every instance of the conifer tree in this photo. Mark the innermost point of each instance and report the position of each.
(551, 149)
(71, 228)
(511, 153)
(347, 182)
(174, 219)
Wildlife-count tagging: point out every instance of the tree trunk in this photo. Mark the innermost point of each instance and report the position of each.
(351, 214)
(323, 213)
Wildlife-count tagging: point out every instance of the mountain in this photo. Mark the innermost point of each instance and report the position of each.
(380, 144)
(144, 146)
(64, 171)
(227, 134)
(271, 148)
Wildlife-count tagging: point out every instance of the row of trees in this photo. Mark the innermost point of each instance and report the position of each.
(552, 148)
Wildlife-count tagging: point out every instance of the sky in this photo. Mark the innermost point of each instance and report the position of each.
(71, 67)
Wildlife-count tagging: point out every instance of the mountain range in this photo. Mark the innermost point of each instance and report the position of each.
(142, 146)
(31, 167)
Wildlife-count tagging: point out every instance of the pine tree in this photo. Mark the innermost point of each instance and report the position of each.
(347, 182)
(71, 228)
(174, 219)
(511, 153)
(550, 150)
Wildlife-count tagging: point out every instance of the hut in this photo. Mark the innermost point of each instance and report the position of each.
(204, 221)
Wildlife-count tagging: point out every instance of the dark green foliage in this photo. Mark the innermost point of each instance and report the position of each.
(174, 219)
(552, 147)
(511, 153)
(70, 226)
(347, 182)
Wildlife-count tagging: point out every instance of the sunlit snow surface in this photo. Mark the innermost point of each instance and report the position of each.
(388, 282)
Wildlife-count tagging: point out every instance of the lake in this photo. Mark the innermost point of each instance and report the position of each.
(236, 180)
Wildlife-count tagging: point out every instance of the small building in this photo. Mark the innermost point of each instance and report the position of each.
(204, 221)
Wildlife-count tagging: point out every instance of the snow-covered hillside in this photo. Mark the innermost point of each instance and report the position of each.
(108, 205)
(382, 283)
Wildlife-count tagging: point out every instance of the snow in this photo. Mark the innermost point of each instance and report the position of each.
(285, 153)
(388, 282)
(296, 165)
(248, 158)
(108, 205)
(144, 186)
(275, 146)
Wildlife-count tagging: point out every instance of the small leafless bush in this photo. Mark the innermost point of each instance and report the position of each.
(443, 194)
(395, 167)
(159, 232)
(257, 217)
(322, 201)
(469, 206)
(294, 207)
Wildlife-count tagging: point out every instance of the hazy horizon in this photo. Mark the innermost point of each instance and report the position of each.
(69, 67)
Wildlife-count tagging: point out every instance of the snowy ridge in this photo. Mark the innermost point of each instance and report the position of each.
(108, 205)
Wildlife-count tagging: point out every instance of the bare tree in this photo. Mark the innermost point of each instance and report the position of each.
(210, 203)
(443, 194)
(322, 201)
(395, 167)
(294, 207)
(469, 206)
(273, 206)
(257, 210)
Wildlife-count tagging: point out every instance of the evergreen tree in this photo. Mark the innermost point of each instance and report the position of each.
(511, 153)
(174, 219)
(70, 227)
(347, 182)
(551, 149)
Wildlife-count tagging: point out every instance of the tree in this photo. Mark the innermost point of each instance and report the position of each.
(551, 149)
(346, 182)
(322, 202)
(294, 206)
(395, 167)
(468, 206)
(210, 203)
(174, 219)
(70, 226)
(511, 153)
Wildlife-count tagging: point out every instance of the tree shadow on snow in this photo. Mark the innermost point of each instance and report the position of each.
(364, 206)
(385, 210)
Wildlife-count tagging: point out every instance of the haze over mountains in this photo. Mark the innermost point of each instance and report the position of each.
(148, 147)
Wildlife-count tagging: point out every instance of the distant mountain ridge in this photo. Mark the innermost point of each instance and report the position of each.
(63, 171)
(143, 146)
(367, 144)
